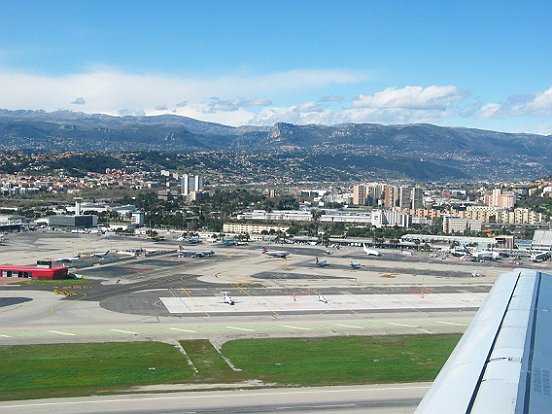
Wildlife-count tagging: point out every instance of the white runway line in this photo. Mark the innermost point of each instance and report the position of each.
(62, 333)
(183, 330)
(452, 323)
(425, 331)
(123, 331)
(402, 325)
(296, 327)
(349, 326)
(240, 329)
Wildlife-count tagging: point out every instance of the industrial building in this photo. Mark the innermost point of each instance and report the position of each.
(73, 221)
(34, 272)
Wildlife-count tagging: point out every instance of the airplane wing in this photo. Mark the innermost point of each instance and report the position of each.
(503, 362)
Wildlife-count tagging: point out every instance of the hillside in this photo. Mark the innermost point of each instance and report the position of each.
(418, 150)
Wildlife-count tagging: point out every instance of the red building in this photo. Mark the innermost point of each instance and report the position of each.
(33, 272)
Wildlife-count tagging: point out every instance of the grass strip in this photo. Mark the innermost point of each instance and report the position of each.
(36, 371)
(63, 370)
(342, 360)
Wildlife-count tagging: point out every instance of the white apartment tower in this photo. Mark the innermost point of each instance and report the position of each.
(191, 184)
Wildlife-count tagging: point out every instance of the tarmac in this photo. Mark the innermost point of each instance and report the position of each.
(160, 296)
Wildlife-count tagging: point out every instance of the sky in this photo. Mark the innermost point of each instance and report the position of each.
(478, 64)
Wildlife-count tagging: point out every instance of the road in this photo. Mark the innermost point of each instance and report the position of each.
(389, 398)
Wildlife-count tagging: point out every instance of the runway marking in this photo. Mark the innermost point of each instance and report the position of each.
(296, 327)
(183, 330)
(404, 325)
(123, 331)
(5, 336)
(241, 329)
(349, 326)
(451, 323)
(425, 331)
(62, 333)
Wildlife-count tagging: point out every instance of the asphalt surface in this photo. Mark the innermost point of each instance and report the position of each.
(390, 398)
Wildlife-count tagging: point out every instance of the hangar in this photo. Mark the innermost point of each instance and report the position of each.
(33, 272)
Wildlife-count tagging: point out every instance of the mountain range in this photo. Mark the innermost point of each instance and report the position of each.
(449, 152)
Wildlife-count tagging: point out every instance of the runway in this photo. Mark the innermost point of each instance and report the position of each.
(390, 398)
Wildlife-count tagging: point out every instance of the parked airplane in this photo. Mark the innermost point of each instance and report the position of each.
(322, 298)
(370, 252)
(355, 265)
(193, 252)
(228, 299)
(321, 263)
(100, 254)
(459, 252)
(130, 252)
(485, 255)
(280, 254)
(189, 240)
(540, 257)
(69, 259)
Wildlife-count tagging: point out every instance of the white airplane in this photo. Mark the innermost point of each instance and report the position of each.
(189, 240)
(193, 252)
(476, 274)
(322, 298)
(280, 254)
(228, 299)
(355, 265)
(485, 255)
(69, 259)
(540, 257)
(371, 252)
(459, 252)
(502, 362)
(130, 252)
(100, 254)
(321, 263)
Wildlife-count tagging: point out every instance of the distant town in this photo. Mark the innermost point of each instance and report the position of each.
(135, 198)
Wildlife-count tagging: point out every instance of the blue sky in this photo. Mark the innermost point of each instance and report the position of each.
(481, 64)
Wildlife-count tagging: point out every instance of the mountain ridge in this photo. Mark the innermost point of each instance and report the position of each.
(480, 153)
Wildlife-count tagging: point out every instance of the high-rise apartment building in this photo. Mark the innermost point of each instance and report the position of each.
(190, 184)
(359, 195)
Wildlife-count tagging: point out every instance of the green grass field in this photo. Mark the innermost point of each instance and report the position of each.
(38, 371)
(79, 369)
(342, 360)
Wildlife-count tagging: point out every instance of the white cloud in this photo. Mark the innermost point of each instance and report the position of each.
(489, 110)
(79, 101)
(108, 91)
(332, 98)
(412, 98)
(535, 105)
(539, 104)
